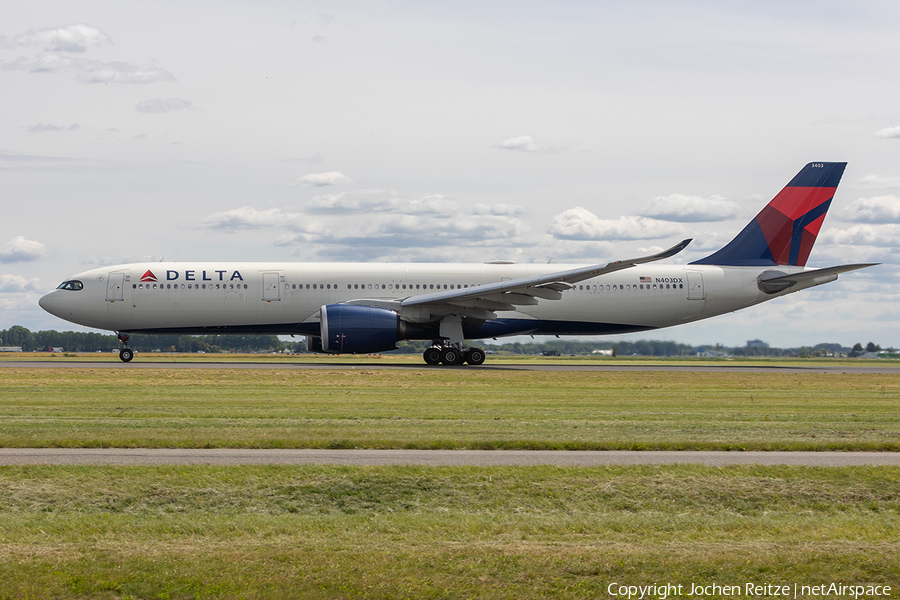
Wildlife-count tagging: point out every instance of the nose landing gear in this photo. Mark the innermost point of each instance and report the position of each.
(126, 353)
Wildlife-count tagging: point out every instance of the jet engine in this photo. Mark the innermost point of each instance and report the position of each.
(351, 329)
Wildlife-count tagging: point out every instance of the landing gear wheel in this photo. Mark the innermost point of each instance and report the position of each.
(451, 356)
(432, 356)
(126, 354)
(474, 356)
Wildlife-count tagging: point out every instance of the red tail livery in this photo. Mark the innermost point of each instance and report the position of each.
(784, 232)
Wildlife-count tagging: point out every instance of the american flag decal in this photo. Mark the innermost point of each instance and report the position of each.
(645, 280)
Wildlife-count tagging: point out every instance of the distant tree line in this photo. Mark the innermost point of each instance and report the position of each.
(76, 341)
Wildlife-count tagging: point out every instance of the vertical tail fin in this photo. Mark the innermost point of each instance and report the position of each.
(783, 233)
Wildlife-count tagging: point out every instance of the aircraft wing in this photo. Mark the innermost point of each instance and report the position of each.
(480, 301)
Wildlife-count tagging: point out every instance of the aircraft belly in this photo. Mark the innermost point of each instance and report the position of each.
(633, 310)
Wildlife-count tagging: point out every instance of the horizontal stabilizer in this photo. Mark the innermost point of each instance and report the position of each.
(772, 282)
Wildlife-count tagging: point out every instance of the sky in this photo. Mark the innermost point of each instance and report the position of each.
(579, 132)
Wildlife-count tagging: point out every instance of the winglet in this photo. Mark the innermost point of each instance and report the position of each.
(665, 253)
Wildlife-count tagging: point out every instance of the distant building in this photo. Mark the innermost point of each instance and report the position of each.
(704, 353)
(756, 344)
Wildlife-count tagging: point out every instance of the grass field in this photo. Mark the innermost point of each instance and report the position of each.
(418, 532)
(440, 408)
(404, 532)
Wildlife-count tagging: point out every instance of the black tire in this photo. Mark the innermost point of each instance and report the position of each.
(475, 356)
(126, 354)
(432, 356)
(451, 356)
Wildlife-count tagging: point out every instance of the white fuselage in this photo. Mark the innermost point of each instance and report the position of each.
(283, 298)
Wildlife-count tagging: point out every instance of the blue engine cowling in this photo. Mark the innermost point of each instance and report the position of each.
(350, 329)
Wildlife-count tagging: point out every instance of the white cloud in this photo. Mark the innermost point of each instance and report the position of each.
(72, 38)
(45, 127)
(376, 225)
(890, 132)
(382, 201)
(89, 71)
(435, 204)
(880, 209)
(581, 224)
(13, 284)
(161, 105)
(19, 249)
(886, 236)
(877, 181)
(323, 179)
(499, 210)
(355, 201)
(247, 217)
(119, 72)
(527, 143)
(691, 209)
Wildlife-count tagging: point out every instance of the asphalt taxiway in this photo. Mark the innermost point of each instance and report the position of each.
(600, 368)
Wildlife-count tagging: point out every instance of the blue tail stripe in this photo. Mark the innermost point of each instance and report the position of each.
(800, 224)
(826, 175)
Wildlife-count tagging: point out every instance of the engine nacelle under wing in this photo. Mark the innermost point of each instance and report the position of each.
(351, 329)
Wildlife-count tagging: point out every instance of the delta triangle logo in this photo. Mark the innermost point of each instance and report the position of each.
(149, 276)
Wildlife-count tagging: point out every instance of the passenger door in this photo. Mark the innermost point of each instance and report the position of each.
(271, 287)
(695, 285)
(114, 284)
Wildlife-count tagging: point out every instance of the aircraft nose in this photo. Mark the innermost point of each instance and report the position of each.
(46, 302)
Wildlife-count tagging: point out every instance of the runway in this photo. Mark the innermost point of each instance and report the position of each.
(434, 458)
(376, 365)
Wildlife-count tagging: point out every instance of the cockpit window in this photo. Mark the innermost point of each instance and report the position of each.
(73, 285)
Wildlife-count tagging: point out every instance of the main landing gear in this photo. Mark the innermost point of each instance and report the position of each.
(126, 353)
(453, 355)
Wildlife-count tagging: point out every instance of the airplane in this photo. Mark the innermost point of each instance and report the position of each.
(366, 308)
